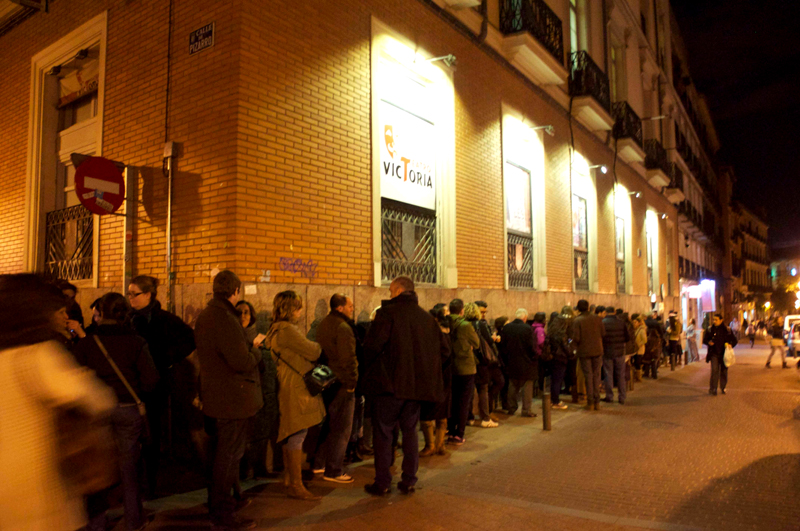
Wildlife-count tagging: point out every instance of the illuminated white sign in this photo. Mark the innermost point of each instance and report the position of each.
(407, 157)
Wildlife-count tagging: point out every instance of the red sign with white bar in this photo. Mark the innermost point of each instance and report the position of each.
(99, 185)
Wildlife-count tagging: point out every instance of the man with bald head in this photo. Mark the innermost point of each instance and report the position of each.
(403, 356)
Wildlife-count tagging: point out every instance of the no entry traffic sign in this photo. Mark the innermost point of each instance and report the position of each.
(99, 185)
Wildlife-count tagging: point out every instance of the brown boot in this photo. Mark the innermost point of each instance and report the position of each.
(427, 431)
(589, 405)
(637, 375)
(294, 464)
(441, 433)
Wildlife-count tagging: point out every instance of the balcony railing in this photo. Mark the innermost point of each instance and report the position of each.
(682, 146)
(535, 17)
(655, 156)
(627, 123)
(69, 243)
(587, 79)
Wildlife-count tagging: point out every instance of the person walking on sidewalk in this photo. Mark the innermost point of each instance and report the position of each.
(337, 337)
(717, 337)
(230, 392)
(517, 344)
(587, 334)
(776, 331)
(614, 341)
(403, 356)
(691, 342)
(751, 334)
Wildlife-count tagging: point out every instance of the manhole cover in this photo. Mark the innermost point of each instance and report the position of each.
(659, 425)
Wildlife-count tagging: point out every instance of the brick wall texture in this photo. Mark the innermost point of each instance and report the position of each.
(274, 125)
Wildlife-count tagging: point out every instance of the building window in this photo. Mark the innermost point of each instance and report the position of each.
(518, 225)
(412, 160)
(580, 243)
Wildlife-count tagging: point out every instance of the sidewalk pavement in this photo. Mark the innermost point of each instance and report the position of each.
(673, 458)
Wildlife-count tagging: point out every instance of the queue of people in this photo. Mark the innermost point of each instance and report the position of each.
(355, 390)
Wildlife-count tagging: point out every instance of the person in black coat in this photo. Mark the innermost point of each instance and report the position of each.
(716, 338)
(517, 346)
(130, 354)
(403, 356)
(170, 341)
(614, 344)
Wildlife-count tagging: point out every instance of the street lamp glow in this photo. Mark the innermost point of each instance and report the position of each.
(767, 305)
(797, 305)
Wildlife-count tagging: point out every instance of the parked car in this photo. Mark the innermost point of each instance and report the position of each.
(793, 341)
(789, 321)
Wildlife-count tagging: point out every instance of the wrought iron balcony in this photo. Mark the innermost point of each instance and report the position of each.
(627, 123)
(587, 79)
(656, 158)
(535, 17)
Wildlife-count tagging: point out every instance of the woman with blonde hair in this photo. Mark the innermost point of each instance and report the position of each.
(294, 356)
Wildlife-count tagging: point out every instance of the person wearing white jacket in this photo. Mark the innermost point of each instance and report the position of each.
(38, 377)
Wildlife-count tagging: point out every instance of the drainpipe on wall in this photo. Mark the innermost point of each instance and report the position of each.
(169, 154)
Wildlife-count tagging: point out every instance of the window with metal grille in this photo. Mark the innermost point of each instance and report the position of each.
(408, 242)
(580, 243)
(519, 225)
(69, 243)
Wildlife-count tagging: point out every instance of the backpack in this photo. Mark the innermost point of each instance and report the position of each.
(485, 353)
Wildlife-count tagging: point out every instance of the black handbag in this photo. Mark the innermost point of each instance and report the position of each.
(319, 378)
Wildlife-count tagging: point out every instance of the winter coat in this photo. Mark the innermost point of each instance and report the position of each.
(404, 351)
(129, 353)
(587, 335)
(169, 339)
(335, 336)
(294, 356)
(230, 385)
(641, 339)
(658, 326)
(675, 332)
(265, 423)
(517, 343)
(616, 337)
(484, 332)
(539, 335)
(719, 335)
(36, 380)
(466, 339)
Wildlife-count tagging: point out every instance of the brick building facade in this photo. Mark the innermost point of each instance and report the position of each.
(280, 128)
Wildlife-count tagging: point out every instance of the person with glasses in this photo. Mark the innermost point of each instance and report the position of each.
(169, 340)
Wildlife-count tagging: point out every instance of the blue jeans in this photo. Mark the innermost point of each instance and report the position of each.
(336, 433)
(387, 412)
(591, 370)
(127, 426)
(615, 367)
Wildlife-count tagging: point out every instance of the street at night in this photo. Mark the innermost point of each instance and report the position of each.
(672, 458)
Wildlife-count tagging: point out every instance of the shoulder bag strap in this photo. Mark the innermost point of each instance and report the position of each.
(278, 355)
(116, 370)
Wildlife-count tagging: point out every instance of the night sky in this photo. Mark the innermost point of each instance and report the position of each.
(745, 57)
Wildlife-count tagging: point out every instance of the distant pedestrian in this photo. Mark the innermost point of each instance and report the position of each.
(674, 331)
(230, 391)
(539, 336)
(403, 355)
(751, 334)
(691, 341)
(614, 342)
(336, 335)
(717, 337)
(464, 340)
(488, 373)
(640, 330)
(517, 342)
(587, 334)
(558, 344)
(777, 343)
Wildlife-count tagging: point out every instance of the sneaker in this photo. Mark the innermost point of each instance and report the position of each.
(560, 405)
(375, 490)
(489, 424)
(343, 478)
(457, 441)
(317, 470)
